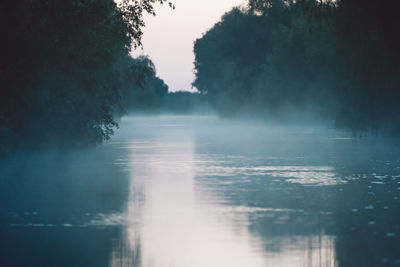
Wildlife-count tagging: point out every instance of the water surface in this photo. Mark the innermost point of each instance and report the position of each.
(199, 191)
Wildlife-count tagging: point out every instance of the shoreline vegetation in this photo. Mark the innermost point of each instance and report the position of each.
(335, 61)
(67, 74)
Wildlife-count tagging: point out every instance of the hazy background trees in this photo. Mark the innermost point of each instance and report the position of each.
(184, 102)
(283, 59)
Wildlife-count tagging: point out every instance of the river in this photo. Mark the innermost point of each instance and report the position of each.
(198, 191)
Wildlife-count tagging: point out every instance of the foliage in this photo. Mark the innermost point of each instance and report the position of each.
(132, 13)
(145, 91)
(65, 68)
(333, 59)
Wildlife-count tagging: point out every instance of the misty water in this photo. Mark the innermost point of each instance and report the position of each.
(179, 191)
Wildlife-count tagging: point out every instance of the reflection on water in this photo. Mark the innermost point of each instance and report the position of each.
(198, 191)
(175, 229)
(180, 222)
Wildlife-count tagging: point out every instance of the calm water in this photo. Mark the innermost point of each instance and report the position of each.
(197, 191)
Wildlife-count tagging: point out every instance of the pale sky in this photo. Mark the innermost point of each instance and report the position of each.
(169, 36)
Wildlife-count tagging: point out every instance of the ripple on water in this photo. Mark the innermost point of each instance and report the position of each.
(305, 175)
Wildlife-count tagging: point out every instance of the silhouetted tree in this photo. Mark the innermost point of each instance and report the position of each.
(337, 59)
(64, 68)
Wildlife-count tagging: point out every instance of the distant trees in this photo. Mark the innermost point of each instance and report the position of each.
(337, 59)
(65, 68)
(183, 102)
(145, 91)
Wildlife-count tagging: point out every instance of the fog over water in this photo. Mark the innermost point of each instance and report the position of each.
(188, 133)
(203, 191)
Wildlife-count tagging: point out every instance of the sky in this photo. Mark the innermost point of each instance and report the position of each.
(169, 36)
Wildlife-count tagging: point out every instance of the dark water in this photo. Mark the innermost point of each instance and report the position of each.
(198, 191)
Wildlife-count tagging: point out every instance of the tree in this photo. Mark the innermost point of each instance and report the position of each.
(61, 68)
(336, 60)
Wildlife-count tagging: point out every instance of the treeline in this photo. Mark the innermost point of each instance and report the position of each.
(146, 92)
(339, 60)
(65, 69)
(183, 102)
(154, 100)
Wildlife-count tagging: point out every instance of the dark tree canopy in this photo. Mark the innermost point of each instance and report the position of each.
(66, 67)
(338, 60)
